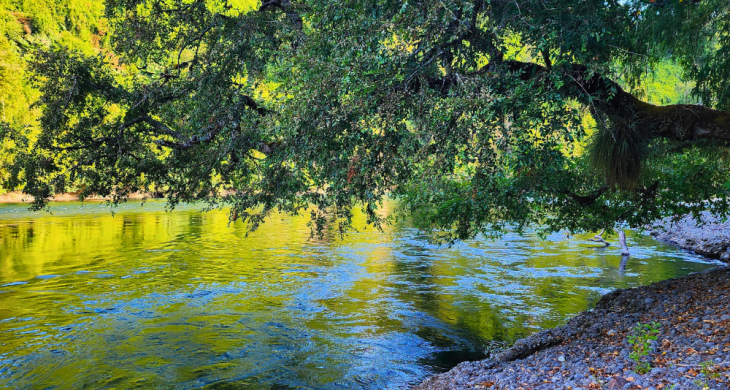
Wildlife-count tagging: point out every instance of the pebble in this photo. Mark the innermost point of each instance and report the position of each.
(617, 383)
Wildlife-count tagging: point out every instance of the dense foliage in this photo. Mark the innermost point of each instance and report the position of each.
(26, 26)
(477, 114)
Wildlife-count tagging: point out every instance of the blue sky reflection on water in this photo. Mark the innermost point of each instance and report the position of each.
(148, 298)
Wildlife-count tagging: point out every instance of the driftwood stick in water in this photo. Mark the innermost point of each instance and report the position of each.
(622, 241)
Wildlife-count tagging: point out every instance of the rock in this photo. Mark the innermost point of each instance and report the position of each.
(617, 383)
(648, 301)
(561, 358)
(613, 332)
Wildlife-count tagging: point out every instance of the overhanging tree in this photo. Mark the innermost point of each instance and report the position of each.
(473, 113)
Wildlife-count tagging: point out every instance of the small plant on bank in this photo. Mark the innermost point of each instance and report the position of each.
(707, 369)
(643, 335)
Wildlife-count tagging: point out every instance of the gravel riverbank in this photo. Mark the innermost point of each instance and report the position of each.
(692, 349)
(711, 240)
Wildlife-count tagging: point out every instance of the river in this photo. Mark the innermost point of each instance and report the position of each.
(147, 298)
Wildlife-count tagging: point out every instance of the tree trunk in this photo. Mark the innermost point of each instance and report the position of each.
(622, 241)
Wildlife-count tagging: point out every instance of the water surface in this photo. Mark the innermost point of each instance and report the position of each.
(178, 300)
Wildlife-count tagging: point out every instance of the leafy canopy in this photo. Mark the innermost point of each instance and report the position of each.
(477, 114)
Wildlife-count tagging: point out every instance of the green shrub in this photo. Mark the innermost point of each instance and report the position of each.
(643, 335)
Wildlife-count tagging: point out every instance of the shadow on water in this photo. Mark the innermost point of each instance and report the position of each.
(445, 360)
(622, 265)
(182, 300)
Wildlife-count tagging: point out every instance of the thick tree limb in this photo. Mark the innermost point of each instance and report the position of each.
(679, 122)
(587, 200)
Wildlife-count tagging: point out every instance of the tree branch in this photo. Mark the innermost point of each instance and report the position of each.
(588, 200)
(284, 5)
(161, 127)
(250, 103)
(190, 142)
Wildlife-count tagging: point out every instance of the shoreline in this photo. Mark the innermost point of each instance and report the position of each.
(592, 351)
(711, 240)
(21, 198)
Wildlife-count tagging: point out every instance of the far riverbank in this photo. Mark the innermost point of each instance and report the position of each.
(19, 197)
(711, 240)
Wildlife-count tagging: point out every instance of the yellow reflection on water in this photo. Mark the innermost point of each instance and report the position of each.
(183, 299)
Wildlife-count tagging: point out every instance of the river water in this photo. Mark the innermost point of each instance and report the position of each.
(175, 300)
